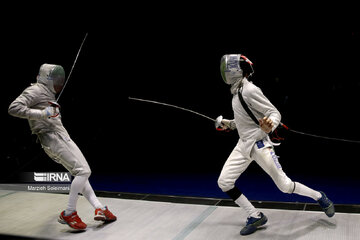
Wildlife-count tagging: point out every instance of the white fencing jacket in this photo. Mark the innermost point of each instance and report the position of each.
(29, 105)
(260, 106)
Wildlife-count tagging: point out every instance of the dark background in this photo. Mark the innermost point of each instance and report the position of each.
(308, 70)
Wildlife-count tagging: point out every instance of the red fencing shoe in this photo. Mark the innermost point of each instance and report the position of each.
(73, 220)
(104, 215)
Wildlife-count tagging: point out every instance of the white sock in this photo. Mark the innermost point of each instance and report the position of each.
(89, 194)
(303, 190)
(244, 203)
(77, 186)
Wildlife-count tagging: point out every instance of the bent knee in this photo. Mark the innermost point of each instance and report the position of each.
(225, 184)
(81, 172)
(286, 185)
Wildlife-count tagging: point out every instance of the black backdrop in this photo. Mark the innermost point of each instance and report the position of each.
(308, 70)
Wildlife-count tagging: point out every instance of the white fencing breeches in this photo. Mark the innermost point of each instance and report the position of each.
(265, 157)
(63, 150)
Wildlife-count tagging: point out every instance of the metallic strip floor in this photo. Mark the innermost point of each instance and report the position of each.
(30, 215)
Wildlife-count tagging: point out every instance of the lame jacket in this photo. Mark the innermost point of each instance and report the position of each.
(260, 106)
(29, 105)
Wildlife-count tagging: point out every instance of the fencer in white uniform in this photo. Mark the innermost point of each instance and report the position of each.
(254, 143)
(37, 104)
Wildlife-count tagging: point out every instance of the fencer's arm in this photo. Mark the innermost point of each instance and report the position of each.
(263, 105)
(20, 107)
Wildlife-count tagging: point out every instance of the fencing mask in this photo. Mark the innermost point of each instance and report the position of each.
(234, 67)
(52, 76)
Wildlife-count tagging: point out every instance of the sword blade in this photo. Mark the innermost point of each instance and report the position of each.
(173, 106)
(67, 79)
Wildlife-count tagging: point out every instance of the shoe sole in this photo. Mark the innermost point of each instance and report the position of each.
(104, 219)
(330, 211)
(100, 218)
(253, 227)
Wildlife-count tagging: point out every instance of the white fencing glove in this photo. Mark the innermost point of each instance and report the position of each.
(222, 124)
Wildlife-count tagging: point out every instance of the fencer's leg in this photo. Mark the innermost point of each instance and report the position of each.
(240, 199)
(77, 186)
(269, 162)
(102, 213)
(234, 166)
(303, 190)
(89, 194)
(63, 150)
(71, 158)
(69, 155)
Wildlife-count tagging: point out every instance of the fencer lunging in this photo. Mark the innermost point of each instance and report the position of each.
(254, 142)
(37, 104)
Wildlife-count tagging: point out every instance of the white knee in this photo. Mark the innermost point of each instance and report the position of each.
(225, 184)
(82, 172)
(286, 185)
